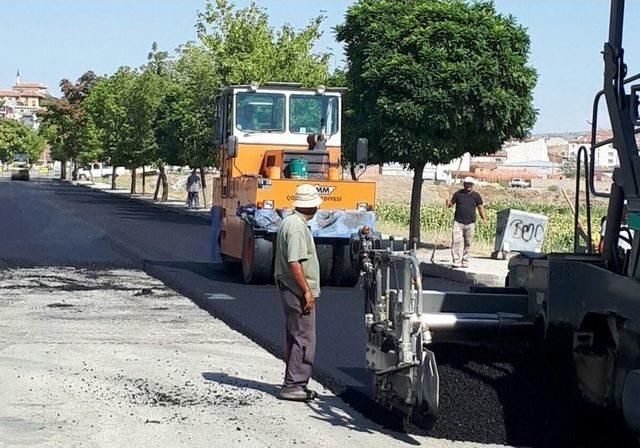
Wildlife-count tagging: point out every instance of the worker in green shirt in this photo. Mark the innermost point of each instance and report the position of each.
(297, 274)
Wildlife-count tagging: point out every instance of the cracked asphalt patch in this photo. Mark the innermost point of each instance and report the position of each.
(114, 358)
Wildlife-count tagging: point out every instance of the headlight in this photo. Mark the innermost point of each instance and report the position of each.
(363, 206)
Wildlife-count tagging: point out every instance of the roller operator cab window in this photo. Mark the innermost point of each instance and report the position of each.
(20, 157)
(312, 114)
(260, 112)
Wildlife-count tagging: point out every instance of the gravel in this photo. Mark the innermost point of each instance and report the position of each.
(102, 365)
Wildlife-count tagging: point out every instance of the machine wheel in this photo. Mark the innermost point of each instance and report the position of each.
(257, 258)
(342, 271)
(230, 265)
(325, 259)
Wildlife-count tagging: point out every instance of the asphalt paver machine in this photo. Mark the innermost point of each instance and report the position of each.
(581, 308)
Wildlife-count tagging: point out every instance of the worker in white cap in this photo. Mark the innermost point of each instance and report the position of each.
(466, 201)
(297, 275)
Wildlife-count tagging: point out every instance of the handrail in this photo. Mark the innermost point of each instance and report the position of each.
(583, 154)
(595, 145)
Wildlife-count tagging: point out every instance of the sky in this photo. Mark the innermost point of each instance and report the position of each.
(53, 39)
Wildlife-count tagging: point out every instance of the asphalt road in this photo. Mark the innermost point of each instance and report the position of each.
(486, 397)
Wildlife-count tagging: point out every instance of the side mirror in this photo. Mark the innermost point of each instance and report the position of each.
(232, 146)
(362, 151)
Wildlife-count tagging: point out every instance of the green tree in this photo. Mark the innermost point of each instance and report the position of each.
(196, 105)
(245, 48)
(238, 46)
(433, 79)
(74, 136)
(17, 138)
(142, 105)
(170, 133)
(106, 107)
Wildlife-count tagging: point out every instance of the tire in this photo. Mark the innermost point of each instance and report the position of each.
(325, 259)
(257, 258)
(342, 271)
(82, 177)
(231, 266)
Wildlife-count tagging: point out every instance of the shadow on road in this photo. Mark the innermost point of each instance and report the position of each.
(210, 271)
(327, 408)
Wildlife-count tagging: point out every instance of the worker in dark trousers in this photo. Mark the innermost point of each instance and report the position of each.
(466, 201)
(297, 274)
(193, 190)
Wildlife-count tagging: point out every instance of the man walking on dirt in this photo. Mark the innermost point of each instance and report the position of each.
(297, 275)
(466, 201)
(193, 190)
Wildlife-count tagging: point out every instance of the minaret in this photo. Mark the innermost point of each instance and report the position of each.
(18, 77)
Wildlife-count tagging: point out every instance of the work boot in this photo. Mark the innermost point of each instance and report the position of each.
(296, 394)
(455, 264)
(311, 393)
(465, 264)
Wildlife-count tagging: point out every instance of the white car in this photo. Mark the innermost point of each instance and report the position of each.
(97, 170)
(519, 183)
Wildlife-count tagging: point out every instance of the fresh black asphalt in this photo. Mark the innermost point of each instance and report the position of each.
(486, 397)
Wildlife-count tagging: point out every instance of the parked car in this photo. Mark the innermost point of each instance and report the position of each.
(97, 170)
(519, 183)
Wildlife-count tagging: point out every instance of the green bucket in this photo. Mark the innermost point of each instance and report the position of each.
(298, 169)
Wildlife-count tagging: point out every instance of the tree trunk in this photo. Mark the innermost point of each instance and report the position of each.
(155, 194)
(113, 177)
(63, 170)
(165, 184)
(74, 172)
(144, 185)
(352, 170)
(416, 202)
(133, 180)
(204, 187)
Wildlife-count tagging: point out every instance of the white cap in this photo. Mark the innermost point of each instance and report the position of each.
(469, 180)
(307, 197)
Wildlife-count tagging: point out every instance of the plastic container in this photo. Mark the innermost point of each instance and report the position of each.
(518, 231)
(298, 169)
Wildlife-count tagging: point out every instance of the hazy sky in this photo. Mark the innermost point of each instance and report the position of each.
(53, 39)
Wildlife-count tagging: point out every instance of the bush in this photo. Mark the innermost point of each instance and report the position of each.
(553, 188)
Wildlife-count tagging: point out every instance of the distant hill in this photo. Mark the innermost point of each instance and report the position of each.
(565, 135)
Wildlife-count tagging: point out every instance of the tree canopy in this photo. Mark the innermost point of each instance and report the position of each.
(18, 138)
(71, 133)
(433, 79)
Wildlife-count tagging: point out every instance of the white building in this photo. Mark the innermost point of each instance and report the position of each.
(22, 102)
(606, 157)
(527, 151)
(442, 172)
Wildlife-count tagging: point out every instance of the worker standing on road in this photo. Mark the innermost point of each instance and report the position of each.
(193, 190)
(466, 201)
(297, 274)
